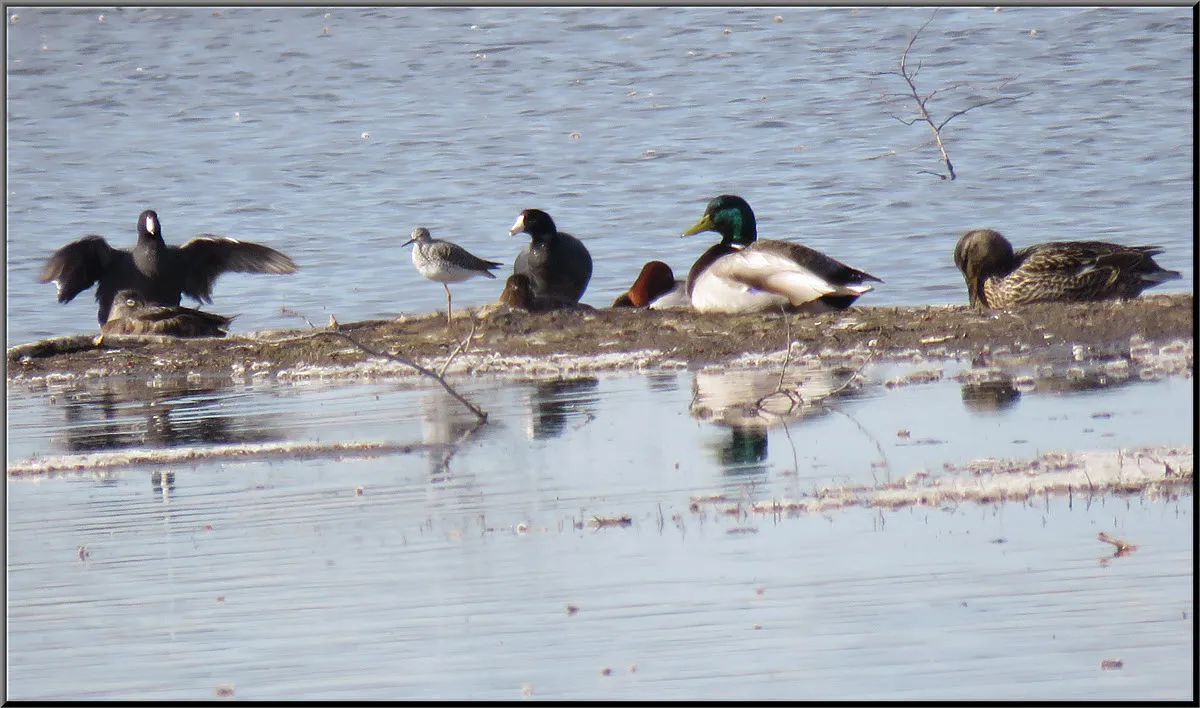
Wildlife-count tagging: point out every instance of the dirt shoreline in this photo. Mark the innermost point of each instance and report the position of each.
(617, 339)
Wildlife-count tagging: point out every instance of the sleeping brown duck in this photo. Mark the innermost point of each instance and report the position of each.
(130, 314)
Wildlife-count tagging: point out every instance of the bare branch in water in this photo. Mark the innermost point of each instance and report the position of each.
(436, 376)
(923, 115)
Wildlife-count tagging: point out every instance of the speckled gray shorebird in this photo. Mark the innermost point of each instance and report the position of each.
(161, 274)
(1058, 271)
(446, 262)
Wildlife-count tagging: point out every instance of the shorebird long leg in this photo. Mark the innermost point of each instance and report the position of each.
(448, 315)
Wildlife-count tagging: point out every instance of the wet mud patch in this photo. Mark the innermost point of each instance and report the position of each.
(615, 339)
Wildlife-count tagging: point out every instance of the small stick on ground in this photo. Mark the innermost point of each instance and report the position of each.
(479, 412)
(462, 346)
(289, 311)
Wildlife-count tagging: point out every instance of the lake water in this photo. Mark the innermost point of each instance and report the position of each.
(452, 572)
(257, 124)
(477, 570)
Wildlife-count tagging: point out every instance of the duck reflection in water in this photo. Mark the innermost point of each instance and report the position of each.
(554, 401)
(116, 414)
(989, 396)
(163, 483)
(749, 402)
(743, 452)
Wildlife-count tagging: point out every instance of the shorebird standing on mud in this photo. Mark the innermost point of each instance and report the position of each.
(446, 262)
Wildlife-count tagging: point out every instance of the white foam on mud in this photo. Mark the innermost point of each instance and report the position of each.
(1153, 472)
(487, 363)
(86, 463)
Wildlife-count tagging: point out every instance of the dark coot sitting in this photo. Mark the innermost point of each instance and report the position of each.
(557, 264)
(161, 274)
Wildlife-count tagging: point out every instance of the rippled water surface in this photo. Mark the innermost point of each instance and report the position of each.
(479, 571)
(476, 569)
(331, 135)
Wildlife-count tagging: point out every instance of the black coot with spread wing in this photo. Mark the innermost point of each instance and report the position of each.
(161, 274)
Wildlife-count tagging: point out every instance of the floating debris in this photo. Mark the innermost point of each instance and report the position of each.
(605, 521)
(1112, 664)
(1123, 547)
(571, 610)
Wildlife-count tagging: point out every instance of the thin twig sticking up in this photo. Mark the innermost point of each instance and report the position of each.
(436, 376)
(923, 115)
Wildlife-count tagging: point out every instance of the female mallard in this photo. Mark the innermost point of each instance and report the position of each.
(1059, 271)
(131, 315)
(743, 275)
(655, 288)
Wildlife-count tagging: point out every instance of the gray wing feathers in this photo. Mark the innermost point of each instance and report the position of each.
(206, 257)
(76, 266)
(453, 253)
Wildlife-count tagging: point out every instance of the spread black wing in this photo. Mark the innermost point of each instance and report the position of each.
(199, 261)
(77, 266)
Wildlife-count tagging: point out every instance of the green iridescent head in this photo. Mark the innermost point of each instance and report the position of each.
(730, 216)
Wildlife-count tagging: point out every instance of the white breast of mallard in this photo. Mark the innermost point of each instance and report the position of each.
(752, 280)
(714, 293)
(674, 299)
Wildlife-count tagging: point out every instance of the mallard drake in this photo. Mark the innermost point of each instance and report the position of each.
(446, 262)
(130, 314)
(656, 288)
(1058, 271)
(518, 294)
(557, 264)
(742, 274)
(160, 273)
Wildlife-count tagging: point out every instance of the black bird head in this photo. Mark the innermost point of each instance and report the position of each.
(534, 222)
(149, 227)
